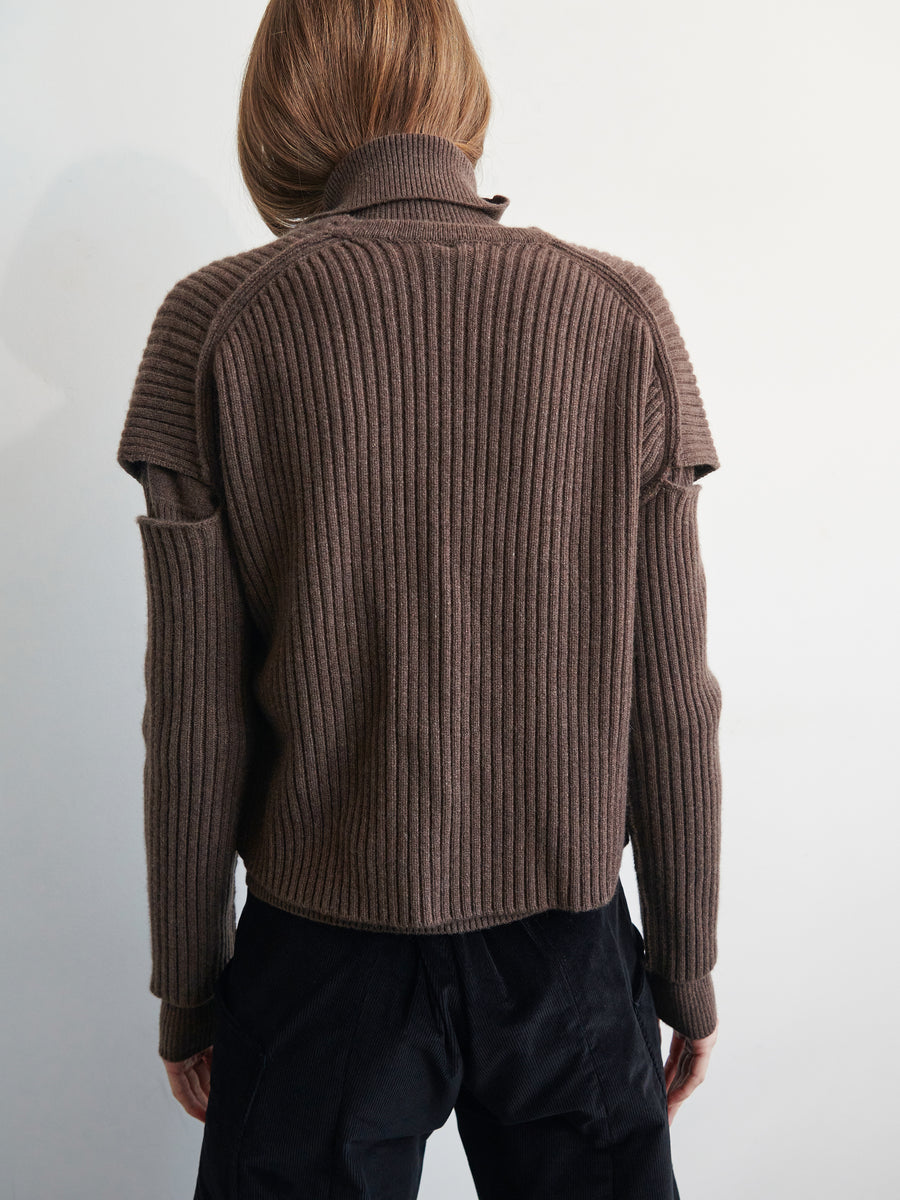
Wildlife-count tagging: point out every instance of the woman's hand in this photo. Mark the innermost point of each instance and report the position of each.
(189, 1081)
(686, 1067)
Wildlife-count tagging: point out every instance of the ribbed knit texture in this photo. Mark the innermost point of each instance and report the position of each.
(434, 644)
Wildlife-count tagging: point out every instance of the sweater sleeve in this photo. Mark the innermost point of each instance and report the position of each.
(195, 724)
(674, 800)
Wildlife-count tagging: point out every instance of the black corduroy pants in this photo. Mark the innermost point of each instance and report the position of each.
(338, 1051)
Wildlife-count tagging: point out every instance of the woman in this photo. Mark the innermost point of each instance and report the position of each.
(426, 647)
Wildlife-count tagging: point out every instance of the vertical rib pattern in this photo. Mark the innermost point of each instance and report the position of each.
(196, 741)
(675, 793)
(443, 590)
(439, 455)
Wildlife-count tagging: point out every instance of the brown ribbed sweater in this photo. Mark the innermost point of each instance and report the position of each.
(426, 608)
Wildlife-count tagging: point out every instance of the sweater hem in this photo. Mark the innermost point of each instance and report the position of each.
(465, 924)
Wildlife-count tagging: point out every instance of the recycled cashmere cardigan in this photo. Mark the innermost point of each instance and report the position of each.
(426, 636)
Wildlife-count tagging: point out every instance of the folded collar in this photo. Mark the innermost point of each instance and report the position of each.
(399, 166)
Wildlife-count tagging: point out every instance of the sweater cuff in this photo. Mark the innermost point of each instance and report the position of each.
(185, 1031)
(688, 1006)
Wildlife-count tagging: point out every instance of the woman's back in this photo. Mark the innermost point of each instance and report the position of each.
(432, 443)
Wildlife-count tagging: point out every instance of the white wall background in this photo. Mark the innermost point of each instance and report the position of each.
(746, 154)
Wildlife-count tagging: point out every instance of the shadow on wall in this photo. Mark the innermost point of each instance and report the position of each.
(89, 267)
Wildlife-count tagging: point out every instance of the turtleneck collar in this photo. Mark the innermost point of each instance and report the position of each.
(408, 175)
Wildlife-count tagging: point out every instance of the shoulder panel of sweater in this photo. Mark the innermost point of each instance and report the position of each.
(676, 428)
(162, 421)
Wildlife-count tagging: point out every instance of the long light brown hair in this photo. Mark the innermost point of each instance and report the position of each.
(324, 76)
